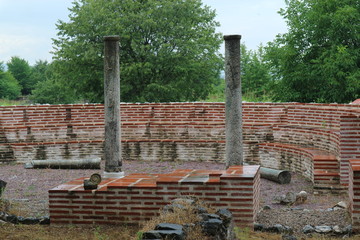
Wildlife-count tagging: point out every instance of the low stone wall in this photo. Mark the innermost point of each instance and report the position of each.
(139, 197)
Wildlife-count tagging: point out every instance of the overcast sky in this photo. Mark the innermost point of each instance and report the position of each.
(27, 26)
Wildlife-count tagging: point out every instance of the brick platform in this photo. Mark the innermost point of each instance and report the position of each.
(139, 197)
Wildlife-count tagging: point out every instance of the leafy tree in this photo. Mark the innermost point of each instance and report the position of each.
(169, 48)
(2, 67)
(255, 74)
(9, 87)
(256, 81)
(52, 92)
(21, 70)
(39, 72)
(318, 60)
(48, 89)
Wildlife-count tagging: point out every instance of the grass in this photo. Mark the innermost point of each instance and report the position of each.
(6, 102)
(68, 232)
(123, 232)
(186, 215)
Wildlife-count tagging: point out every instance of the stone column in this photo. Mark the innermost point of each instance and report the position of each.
(233, 105)
(112, 148)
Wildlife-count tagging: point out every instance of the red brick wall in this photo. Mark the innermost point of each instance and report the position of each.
(139, 197)
(354, 193)
(169, 131)
(349, 143)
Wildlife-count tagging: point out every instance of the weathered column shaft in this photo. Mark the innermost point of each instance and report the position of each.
(233, 105)
(112, 148)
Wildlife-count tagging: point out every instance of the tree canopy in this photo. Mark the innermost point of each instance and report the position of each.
(255, 74)
(21, 71)
(168, 49)
(318, 59)
(9, 86)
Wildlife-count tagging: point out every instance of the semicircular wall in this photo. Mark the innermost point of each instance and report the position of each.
(176, 131)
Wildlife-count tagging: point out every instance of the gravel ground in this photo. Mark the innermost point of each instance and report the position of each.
(27, 191)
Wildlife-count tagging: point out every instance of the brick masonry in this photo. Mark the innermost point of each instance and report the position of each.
(316, 140)
(185, 132)
(139, 197)
(354, 193)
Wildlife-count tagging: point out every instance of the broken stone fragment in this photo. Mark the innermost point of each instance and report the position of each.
(169, 226)
(292, 198)
(323, 229)
(341, 204)
(308, 229)
(288, 198)
(164, 234)
(89, 185)
(301, 197)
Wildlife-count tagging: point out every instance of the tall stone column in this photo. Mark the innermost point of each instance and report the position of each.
(233, 105)
(112, 148)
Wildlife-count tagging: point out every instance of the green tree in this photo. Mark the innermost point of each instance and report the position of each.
(256, 84)
(39, 72)
(48, 89)
(21, 70)
(9, 87)
(318, 60)
(169, 49)
(255, 74)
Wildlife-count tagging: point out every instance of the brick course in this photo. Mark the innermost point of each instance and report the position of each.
(138, 197)
(179, 131)
(354, 193)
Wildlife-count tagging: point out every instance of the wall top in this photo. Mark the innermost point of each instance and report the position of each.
(357, 101)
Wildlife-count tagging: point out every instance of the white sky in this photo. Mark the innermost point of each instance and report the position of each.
(27, 26)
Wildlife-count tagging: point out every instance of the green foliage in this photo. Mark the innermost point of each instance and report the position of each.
(51, 91)
(48, 88)
(242, 233)
(255, 75)
(218, 92)
(40, 72)
(9, 87)
(21, 71)
(169, 49)
(318, 60)
(256, 81)
(139, 235)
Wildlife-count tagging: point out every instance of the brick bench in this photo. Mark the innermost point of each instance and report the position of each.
(323, 138)
(138, 149)
(139, 197)
(321, 167)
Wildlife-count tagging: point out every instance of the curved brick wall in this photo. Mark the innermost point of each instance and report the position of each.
(177, 131)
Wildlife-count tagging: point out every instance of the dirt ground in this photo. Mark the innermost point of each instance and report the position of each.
(27, 190)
